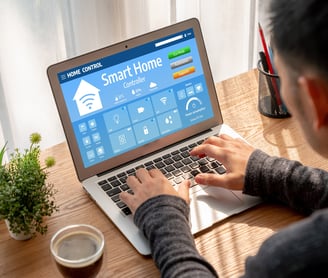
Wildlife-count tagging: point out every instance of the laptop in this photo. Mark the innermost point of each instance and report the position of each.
(144, 102)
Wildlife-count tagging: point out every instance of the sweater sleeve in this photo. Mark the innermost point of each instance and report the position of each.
(164, 221)
(300, 250)
(302, 188)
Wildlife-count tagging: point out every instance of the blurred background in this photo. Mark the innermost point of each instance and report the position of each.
(35, 34)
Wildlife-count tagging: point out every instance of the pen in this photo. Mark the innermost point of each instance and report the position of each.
(271, 59)
(271, 71)
(265, 67)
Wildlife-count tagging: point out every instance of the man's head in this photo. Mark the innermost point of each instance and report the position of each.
(299, 31)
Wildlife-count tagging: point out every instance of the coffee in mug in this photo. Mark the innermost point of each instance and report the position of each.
(78, 250)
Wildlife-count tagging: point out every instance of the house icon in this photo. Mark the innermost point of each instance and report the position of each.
(87, 98)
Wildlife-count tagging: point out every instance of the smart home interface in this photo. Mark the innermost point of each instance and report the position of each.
(137, 96)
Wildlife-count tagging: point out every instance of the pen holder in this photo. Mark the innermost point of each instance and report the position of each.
(269, 95)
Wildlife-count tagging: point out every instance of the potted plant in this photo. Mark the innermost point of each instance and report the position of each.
(25, 196)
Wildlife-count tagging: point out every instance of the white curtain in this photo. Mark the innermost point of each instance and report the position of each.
(35, 34)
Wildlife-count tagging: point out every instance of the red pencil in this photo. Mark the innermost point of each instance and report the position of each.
(271, 71)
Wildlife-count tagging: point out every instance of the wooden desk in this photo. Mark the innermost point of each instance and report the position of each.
(226, 245)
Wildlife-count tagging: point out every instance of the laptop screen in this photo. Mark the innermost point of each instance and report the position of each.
(130, 99)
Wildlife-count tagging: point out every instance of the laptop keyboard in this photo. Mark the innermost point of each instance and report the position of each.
(176, 166)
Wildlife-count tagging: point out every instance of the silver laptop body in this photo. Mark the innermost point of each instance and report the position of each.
(144, 102)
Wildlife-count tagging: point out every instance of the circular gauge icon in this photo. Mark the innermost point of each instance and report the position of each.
(193, 103)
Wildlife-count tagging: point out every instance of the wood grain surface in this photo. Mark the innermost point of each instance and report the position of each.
(226, 245)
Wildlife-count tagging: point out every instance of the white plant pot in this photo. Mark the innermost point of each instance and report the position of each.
(20, 236)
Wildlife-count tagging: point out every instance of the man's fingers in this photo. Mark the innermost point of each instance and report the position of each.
(225, 137)
(230, 181)
(155, 173)
(184, 190)
(142, 174)
(127, 198)
(207, 150)
(132, 181)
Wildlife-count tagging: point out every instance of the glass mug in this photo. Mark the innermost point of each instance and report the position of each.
(78, 250)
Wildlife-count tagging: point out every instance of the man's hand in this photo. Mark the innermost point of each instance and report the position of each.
(147, 184)
(233, 153)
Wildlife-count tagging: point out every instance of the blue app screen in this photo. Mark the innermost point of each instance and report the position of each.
(135, 97)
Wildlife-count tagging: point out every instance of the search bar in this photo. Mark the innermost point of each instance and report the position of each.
(168, 40)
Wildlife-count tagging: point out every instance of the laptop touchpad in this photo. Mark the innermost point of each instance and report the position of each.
(212, 204)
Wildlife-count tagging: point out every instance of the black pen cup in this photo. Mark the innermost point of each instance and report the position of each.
(269, 100)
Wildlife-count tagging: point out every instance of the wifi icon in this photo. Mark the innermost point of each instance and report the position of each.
(87, 98)
(163, 100)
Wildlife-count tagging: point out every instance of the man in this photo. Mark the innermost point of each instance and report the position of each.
(300, 42)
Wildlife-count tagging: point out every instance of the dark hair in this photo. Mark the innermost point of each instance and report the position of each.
(299, 31)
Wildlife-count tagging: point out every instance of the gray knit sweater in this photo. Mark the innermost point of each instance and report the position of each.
(301, 250)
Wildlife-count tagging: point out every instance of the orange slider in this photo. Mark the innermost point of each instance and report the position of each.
(183, 72)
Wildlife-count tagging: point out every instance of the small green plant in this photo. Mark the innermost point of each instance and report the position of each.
(25, 196)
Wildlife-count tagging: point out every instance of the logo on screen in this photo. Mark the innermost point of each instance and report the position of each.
(87, 98)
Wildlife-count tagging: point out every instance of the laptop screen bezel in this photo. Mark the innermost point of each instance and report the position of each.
(114, 162)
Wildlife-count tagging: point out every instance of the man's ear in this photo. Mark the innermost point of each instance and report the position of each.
(317, 90)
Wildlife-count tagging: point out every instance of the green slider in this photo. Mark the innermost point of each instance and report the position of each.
(179, 52)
